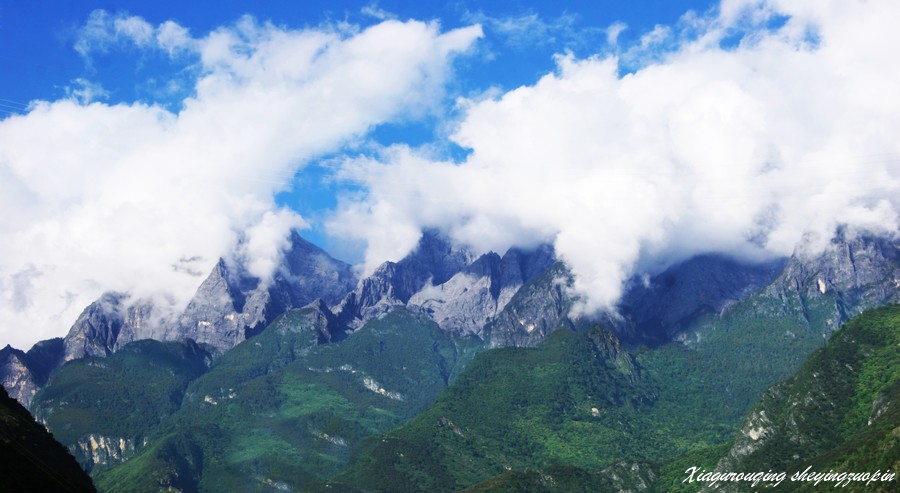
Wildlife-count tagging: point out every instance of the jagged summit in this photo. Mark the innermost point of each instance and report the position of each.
(474, 296)
(851, 274)
(434, 260)
(17, 378)
(23, 373)
(107, 324)
(459, 291)
(230, 305)
(515, 299)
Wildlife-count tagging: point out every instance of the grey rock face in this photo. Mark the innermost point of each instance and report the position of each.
(103, 327)
(109, 323)
(462, 304)
(230, 306)
(434, 261)
(22, 374)
(537, 309)
(853, 273)
(315, 321)
(16, 377)
(216, 301)
(97, 450)
(96, 331)
(474, 296)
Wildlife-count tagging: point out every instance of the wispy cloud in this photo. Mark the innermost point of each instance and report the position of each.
(374, 11)
(104, 30)
(613, 32)
(528, 30)
(112, 196)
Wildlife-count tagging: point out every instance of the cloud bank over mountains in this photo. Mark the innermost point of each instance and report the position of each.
(735, 131)
(135, 197)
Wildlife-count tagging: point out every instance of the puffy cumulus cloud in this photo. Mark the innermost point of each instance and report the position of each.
(768, 119)
(134, 197)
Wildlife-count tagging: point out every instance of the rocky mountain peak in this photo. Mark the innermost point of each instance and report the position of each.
(314, 319)
(96, 331)
(436, 257)
(470, 299)
(230, 306)
(460, 291)
(434, 261)
(849, 261)
(853, 272)
(16, 376)
(538, 308)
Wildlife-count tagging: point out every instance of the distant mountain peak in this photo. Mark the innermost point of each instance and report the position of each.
(230, 306)
(854, 271)
(458, 289)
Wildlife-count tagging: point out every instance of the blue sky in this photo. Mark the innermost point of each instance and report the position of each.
(37, 38)
(37, 49)
(141, 141)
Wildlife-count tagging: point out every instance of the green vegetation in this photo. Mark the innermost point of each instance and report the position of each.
(281, 411)
(513, 408)
(566, 479)
(525, 410)
(672, 472)
(124, 397)
(707, 384)
(841, 411)
(284, 410)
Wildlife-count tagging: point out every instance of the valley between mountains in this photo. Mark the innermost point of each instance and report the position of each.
(448, 371)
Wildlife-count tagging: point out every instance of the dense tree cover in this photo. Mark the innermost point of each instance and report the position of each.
(841, 411)
(566, 479)
(515, 412)
(513, 408)
(275, 412)
(126, 396)
(282, 410)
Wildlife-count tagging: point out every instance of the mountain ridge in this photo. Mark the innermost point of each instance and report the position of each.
(466, 294)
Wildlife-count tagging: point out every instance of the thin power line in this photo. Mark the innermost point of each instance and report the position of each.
(9, 106)
(23, 105)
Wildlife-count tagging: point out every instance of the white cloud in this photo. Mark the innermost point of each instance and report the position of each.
(134, 197)
(702, 148)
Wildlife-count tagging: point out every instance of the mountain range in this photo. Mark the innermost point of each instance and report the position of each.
(442, 371)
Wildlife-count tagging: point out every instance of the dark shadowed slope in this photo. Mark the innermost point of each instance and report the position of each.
(30, 459)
